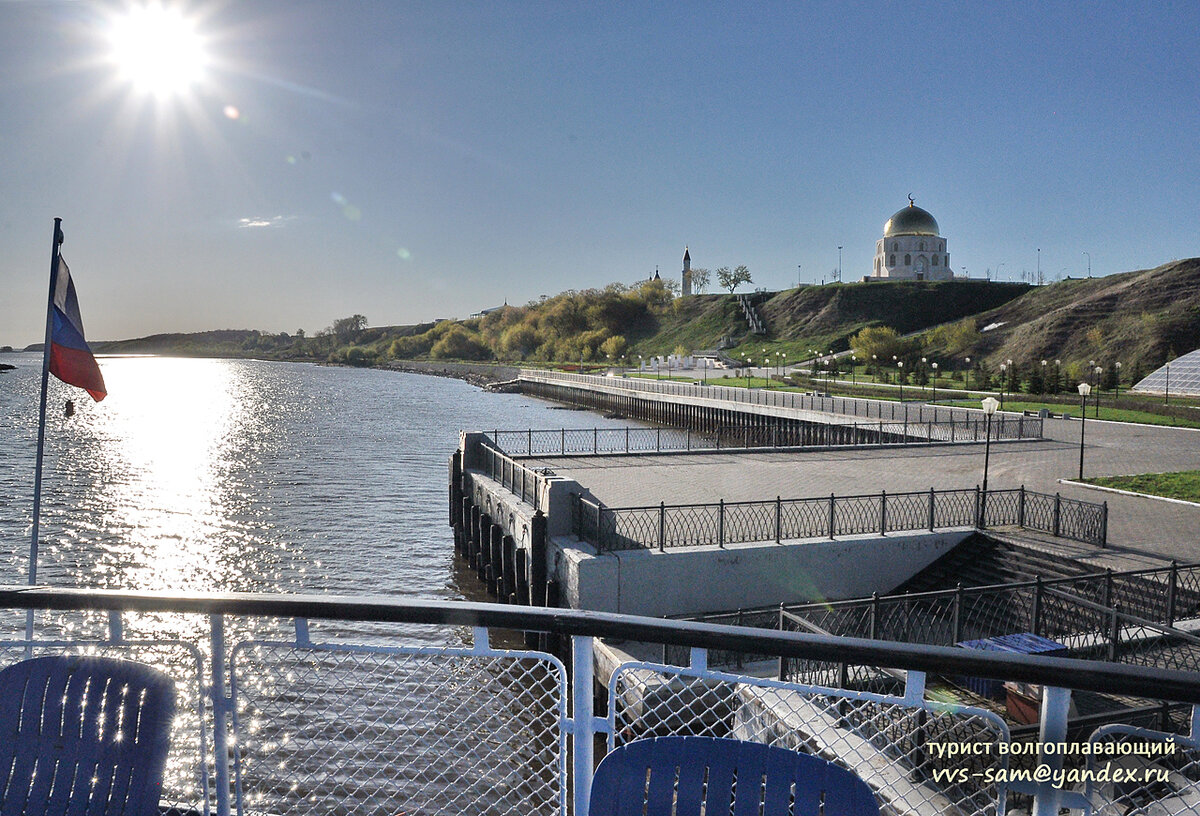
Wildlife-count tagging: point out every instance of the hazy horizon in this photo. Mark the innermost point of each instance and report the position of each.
(412, 161)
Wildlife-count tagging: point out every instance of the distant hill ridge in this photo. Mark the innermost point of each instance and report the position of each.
(1147, 315)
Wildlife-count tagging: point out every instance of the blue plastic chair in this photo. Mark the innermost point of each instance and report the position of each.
(83, 736)
(679, 775)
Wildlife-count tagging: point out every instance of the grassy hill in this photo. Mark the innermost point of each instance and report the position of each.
(1144, 317)
(1141, 318)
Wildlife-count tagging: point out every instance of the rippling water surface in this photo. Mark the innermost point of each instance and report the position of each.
(238, 475)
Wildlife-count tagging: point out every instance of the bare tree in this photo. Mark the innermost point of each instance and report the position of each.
(732, 280)
(701, 278)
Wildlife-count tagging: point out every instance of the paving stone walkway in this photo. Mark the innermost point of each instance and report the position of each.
(1140, 529)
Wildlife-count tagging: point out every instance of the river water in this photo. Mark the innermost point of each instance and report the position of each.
(241, 475)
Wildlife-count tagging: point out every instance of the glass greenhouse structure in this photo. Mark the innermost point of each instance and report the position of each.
(1180, 376)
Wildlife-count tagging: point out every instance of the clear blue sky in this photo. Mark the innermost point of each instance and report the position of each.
(410, 161)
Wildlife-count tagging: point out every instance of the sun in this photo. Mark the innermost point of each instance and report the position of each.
(157, 50)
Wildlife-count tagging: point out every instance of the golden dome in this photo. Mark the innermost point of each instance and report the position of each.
(912, 220)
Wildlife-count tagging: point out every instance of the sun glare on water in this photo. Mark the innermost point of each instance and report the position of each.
(157, 50)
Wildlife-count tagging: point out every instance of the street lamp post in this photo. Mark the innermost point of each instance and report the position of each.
(1084, 390)
(967, 377)
(900, 377)
(1003, 369)
(1117, 366)
(1089, 257)
(923, 361)
(839, 264)
(1099, 370)
(1043, 376)
(934, 366)
(853, 372)
(989, 407)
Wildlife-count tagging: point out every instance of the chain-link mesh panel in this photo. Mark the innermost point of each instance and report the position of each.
(186, 780)
(388, 731)
(1160, 773)
(901, 749)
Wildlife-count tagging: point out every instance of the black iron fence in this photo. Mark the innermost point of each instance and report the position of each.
(866, 409)
(523, 481)
(612, 529)
(776, 434)
(1122, 617)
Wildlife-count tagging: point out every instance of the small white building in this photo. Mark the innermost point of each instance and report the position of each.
(911, 248)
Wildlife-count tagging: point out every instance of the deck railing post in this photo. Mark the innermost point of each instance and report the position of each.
(662, 526)
(1021, 508)
(1114, 632)
(529, 439)
(1057, 513)
(595, 440)
(932, 514)
(627, 439)
(883, 513)
(221, 706)
(582, 720)
(832, 518)
(778, 519)
(1056, 705)
(874, 621)
(1104, 524)
(721, 523)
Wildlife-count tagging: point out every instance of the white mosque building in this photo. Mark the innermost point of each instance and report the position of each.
(911, 248)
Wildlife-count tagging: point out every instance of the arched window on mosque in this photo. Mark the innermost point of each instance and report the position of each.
(908, 260)
(922, 246)
(935, 260)
(895, 246)
(891, 260)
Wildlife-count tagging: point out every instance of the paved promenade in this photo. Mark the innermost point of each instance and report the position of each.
(1159, 529)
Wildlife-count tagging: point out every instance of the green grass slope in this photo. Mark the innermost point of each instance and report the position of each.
(1145, 316)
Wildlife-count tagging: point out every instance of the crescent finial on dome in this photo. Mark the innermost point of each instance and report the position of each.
(910, 200)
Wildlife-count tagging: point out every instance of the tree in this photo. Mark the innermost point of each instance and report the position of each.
(732, 280)
(701, 279)
(345, 328)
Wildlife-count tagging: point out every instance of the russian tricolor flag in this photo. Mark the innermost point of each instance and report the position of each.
(70, 358)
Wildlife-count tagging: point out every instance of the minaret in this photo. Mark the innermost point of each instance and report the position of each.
(687, 273)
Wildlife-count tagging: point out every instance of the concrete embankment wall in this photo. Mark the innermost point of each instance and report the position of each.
(525, 552)
(693, 580)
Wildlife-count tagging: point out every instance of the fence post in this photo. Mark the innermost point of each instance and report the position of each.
(778, 519)
(1172, 588)
(721, 523)
(689, 438)
(1021, 508)
(931, 509)
(662, 526)
(562, 441)
(832, 528)
(627, 439)
(595, 440)
(883, 513)
(1035, 611)
(978, 509)
(1104, 524)
(1108, 586)
(1057, 513)
(1114, 632)
(874, 623)
(658, 440)
(958, 597)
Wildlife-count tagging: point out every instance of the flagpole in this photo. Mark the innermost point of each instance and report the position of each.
(37, 477)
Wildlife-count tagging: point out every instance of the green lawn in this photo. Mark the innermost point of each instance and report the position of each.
(1114, 414)
(1182, 485)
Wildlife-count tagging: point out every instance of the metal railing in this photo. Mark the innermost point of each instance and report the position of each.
(803, 434)
(662, 526)
(1004, 425)
(1125, 616)
(355, 706)
(493, 462)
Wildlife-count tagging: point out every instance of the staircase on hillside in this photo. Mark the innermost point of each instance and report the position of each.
(750, 310)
